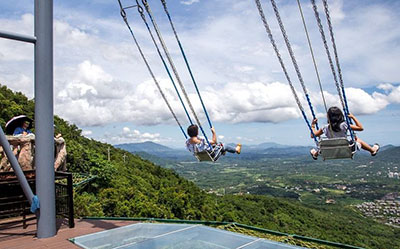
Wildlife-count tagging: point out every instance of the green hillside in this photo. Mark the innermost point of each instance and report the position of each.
(138, 188)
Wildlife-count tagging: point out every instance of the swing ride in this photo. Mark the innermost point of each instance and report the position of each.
(329, 148)
(208, 155)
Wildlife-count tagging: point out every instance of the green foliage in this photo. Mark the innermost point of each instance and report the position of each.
(13, 104)
(133, 187)
(87, 205)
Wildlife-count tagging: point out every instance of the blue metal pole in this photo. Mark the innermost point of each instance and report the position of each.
(44, 119)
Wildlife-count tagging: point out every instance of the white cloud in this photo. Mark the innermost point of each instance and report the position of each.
(100, 78)
(133, 136)
(360, 102)
(189, 2)
(87, 132)
(20, 82)
(93, 98)
(385, 86)
(394, 95)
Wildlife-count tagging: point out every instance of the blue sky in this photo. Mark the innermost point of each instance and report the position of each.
(101, 83)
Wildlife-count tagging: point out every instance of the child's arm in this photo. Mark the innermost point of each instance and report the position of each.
(358, 126)
(316, 132)
(214, 136)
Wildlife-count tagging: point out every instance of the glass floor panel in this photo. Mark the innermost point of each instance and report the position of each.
(173, 236)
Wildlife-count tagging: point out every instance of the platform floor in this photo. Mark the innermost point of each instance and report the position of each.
(15, 237)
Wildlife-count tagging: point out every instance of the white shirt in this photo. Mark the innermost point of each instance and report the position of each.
(329, 133)
(197, 147)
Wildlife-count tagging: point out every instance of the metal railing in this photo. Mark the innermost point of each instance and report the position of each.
(14, 207)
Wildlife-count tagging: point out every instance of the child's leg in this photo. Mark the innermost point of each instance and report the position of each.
(229, 149)
(365, 146)
(232, 149)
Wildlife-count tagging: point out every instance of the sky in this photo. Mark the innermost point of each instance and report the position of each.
(102, 85)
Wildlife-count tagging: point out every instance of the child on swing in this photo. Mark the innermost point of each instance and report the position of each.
(337, 127)
(197, 144)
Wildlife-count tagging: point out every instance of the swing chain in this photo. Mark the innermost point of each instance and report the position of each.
(345, 107)
(171, 63)
(167, 54)
(328, 17)
(122, 12)
(124, 16)
(140, 9)
(164, 63)
(272, 40)
(289, 47)
(292, 56)
(264, 20)
(312, 55)
(321, 30)
(186, 61)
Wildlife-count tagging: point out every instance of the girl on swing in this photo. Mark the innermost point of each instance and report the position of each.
(337, 127)
(196, 143)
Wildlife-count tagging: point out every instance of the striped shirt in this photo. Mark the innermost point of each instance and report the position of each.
(197, 147)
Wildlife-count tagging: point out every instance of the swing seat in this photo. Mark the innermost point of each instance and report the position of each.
(209, 156)
(336, 148)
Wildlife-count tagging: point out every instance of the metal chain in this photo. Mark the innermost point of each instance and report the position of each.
(140, 10)
(328, 18)
(345, 107)
(321, 30)
(123, 14)
(292, 56)
(312, 55)
(171, 63)
(185, 59)
(289, 47)
(272, 40)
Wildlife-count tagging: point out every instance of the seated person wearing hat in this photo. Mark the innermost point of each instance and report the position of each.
(22, 130)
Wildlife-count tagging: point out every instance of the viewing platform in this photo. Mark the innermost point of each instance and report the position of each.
(16, 237)
(120, 232)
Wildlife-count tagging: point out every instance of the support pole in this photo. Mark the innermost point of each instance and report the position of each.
(44, 120)
(17, 37)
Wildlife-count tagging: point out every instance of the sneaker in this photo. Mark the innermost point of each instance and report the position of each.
(238, 150)
(314, 154)
(376, 148)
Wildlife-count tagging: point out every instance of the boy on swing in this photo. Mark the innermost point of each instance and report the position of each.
(197, 144)
(337, 127)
